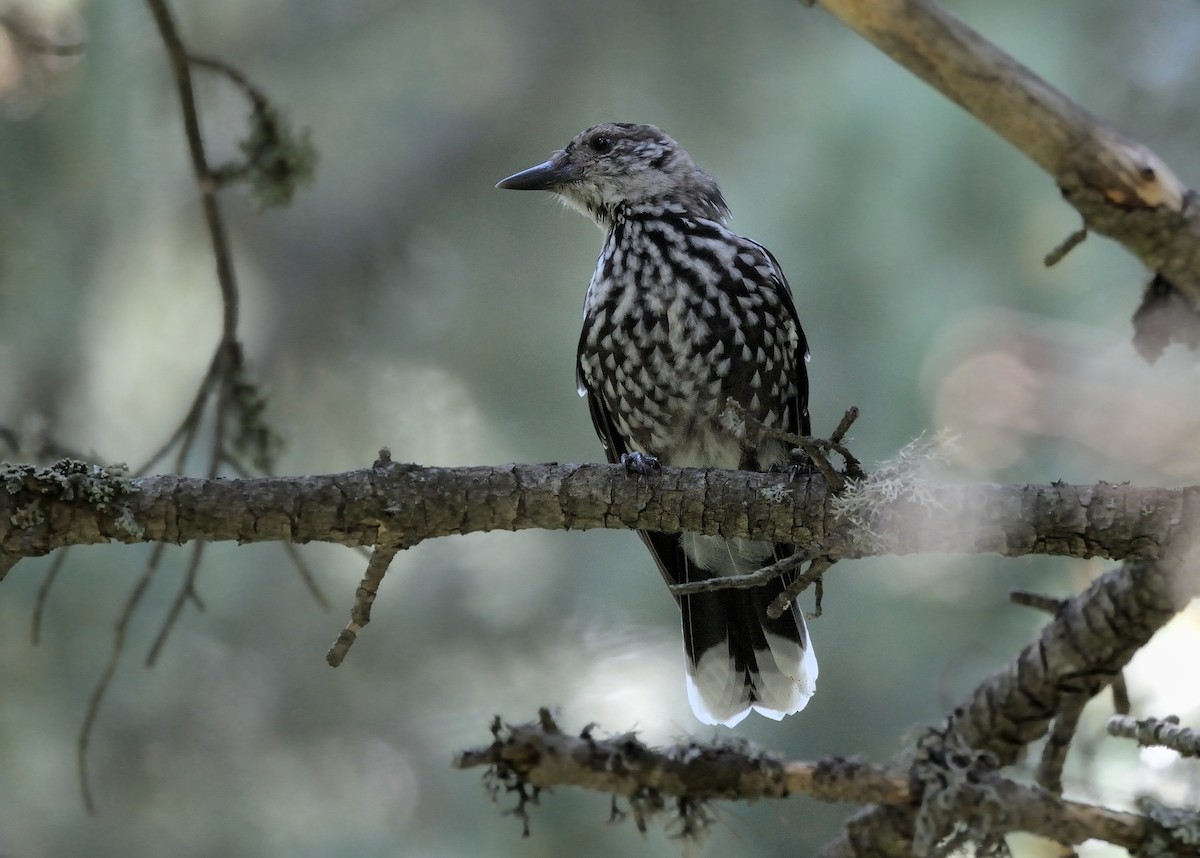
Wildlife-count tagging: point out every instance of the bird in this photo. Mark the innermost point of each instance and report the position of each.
(682, 314)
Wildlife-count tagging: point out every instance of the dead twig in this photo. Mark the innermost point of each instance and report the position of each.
(1149, 732)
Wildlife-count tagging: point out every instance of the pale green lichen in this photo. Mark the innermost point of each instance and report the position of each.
(278, 159)
(69, 480)
(128, 523)
(899, 479)
(14, 476)
(1174, 828)
(30, 515)
(775, 494)
(253, 437)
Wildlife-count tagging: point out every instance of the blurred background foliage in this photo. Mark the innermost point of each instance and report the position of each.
(402, 301)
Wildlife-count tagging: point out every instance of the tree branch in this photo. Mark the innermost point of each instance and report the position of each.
(1120, 187)
(72, 503)
(1078, 654)
(1152, 732)
(540, 755)
(954, 775)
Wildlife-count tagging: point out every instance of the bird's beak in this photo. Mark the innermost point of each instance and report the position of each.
(544, 177)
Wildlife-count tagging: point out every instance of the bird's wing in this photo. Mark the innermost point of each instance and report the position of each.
(666, 548)
(606, 428)
(798, 421)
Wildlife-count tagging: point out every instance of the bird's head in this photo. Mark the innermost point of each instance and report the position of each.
(617, 164)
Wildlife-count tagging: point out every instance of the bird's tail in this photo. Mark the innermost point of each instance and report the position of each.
(738, 659)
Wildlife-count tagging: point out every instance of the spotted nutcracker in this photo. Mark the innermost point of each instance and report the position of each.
(683, 314)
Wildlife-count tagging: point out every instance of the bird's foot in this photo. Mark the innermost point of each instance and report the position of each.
(801, 465)
(641, 464)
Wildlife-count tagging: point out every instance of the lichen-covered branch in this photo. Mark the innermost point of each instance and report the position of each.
(72, 503)
(953, 788)
(1077, 655)
(1152, 732)
(539, 755)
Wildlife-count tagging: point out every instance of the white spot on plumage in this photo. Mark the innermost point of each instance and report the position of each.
(788, 688)
(711, 690)
(719, 693)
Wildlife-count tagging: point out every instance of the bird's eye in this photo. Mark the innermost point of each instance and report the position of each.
(602, 143)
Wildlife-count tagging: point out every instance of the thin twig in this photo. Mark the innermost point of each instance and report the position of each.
(1068, 244)
(817, 553)
(818, 449)
(101, 688)
(757, 578)
(1150, 732)
(186, 590)
(1070, 708)
(364, 597)
(43, 593)
(306, 575)
(186, 430)
(1120, 696)
(812, 575)
(836, 481)
(853, 469)
(227, 356)
(235, 76)
(1058, 743)
(276, 159)
(181, 67)
(1037, 601)
(844, 425)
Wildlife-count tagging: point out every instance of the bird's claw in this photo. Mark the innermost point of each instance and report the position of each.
(801, 465)
(642, 464)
